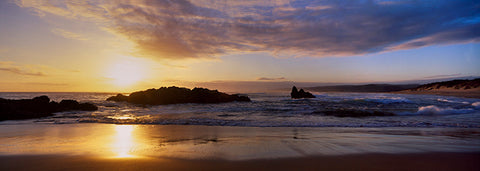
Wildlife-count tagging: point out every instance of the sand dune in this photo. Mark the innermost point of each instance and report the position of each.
(468, 93)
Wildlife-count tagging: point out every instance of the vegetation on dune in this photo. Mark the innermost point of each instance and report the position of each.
(455, 84)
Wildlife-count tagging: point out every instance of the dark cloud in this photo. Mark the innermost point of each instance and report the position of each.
(206, 29)
(271, 79)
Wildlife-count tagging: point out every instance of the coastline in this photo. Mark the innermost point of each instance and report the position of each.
(474, 93)
(228, 143)
(187, 147)
(411, 161)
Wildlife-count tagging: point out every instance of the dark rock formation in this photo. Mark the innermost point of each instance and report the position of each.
(355, 113)
(38, 107)
(65, 105)
(175, 95)
(300, 94)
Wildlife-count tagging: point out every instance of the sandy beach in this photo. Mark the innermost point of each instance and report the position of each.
(171, 147)
(233, 85)
(423, 161)
(470, 93)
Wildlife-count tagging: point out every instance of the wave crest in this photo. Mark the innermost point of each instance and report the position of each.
(435, 110)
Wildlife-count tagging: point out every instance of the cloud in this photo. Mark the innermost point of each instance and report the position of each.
(271, 79)
(68, 34)
(20, 69)
(294, 28)
(443, 76)
(46, 84)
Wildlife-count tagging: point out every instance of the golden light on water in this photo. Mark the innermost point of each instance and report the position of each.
(121, 117)
(123, 143)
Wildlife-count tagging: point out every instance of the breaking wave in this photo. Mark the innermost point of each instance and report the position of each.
(278, 110)
(388, 100)
(435, 110)
(451, 101)
(476, 105)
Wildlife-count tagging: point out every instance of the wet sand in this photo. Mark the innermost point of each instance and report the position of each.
(182, 147)
(422, 161)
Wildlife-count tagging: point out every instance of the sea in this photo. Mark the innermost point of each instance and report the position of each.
(274, 110)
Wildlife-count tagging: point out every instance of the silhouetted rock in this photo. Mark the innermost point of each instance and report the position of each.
(300, 94)
(118, 98)
(74, 105)
(38, 107)
(355, 113)
(87, 107)
(176, 95)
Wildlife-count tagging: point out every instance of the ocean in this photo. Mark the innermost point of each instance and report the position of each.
(275, 110)
(271, 126)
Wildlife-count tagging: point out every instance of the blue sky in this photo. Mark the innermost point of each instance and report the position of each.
(78, 45)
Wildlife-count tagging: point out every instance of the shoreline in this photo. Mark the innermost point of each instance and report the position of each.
(454, 93)
(229, 143)
(93, 146)
(374, 161)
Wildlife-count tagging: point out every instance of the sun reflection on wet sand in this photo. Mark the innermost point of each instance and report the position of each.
(124, 142)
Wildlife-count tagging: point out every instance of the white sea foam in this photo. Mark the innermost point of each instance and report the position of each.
(434, 110)
(450, 101)
(387, 100)
(274, 110)
(476, 105)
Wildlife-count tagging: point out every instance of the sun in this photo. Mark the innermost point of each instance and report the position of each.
(127, 72)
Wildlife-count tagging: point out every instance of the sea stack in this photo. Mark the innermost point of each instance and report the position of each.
(38, 107)
(178, 95)
(295, 94)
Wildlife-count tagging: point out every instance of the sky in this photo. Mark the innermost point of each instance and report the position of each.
(128, 45)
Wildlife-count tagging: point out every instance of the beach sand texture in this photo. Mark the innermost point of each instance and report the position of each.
(170, 147)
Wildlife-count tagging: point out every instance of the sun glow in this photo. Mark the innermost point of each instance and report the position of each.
(127, 71)
(123, 141)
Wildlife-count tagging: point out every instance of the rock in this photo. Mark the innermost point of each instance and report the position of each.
(69, 104)
(118, 98)
(176, 95)
(295, 94)
(65, 105)
(41, 99)
(87, 107)
(38, 107)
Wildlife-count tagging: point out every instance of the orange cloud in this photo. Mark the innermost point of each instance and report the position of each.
(68, 34)
(18, 69)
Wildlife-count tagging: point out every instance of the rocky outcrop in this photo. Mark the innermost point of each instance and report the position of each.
(38, 107)
(176, 95)
(295, 94)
